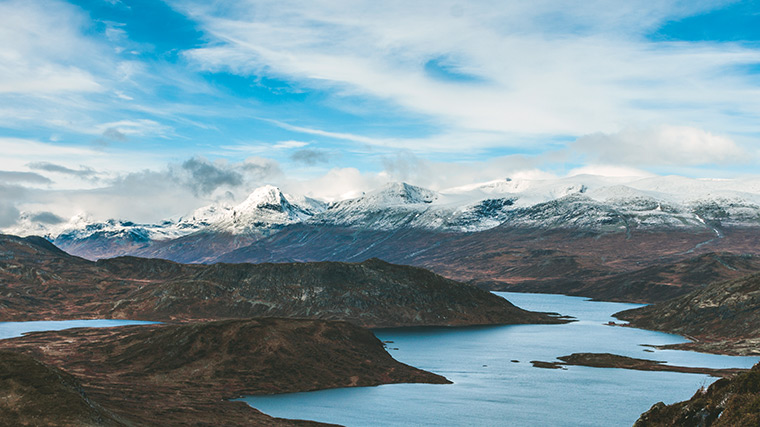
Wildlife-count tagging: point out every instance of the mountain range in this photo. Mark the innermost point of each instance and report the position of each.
(511, 234)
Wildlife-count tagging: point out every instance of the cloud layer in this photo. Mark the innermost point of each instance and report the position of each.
(662, 145)
(517, 68)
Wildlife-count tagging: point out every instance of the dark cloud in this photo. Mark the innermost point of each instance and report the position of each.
(82, 172)
(309, 156)
(114, 134)
(46, 218)
(28, 177)
(259, 168)
(108, 136)
(8, 214)
(205, 177)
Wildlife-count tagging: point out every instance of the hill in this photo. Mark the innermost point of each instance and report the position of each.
(39, 282)
(722, 317)
(186, 374)
(37, 394)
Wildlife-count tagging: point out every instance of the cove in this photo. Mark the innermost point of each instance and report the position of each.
(491, 389)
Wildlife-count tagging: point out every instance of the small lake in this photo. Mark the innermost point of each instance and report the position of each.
(491, 390)
(17, 329)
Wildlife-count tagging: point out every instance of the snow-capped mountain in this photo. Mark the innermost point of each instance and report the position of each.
(265, 209)
(393, 206)
(589, 202)
(585, 201)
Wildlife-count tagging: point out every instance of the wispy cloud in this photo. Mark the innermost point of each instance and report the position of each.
(82, 172)
(309, 156)
(542, 67)
(13, 177)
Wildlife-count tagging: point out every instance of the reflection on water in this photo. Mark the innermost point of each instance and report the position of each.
(491, 390)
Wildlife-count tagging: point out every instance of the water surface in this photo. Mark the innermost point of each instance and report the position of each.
(491, 390)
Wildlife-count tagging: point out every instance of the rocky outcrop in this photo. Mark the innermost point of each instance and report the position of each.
(727, 402)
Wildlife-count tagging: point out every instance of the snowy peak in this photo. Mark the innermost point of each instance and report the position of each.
(396, 193)
(267, 197)
(396, 205)
(205, 216)
(266, 209)
(401, 193)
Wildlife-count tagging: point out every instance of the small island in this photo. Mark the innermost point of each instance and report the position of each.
(608, 360)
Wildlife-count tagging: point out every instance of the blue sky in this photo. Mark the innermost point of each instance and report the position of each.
(330, 98)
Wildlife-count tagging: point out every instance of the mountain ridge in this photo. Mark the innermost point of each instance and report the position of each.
(42, 283)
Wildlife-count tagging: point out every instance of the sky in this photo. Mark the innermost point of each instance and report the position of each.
(147, 109)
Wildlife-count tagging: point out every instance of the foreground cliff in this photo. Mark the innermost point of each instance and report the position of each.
(38, 281)
(723, 317)
(727, 402)
(186, 374)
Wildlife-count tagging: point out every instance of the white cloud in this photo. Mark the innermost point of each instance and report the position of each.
(289, 144)
(661, 145)
(538, 67)
(337, 184)
(138, 127)
(41, 47)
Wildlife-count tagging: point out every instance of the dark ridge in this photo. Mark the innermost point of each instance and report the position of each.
(654, 283)
(371, 293)
(44, 244)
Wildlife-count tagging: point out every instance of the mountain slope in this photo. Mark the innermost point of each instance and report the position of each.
(655, 283)
(36, 394)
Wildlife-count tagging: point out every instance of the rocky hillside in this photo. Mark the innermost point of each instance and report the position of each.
(722, 317)
(186, 374)
(40, 282)
(727, 402)
(35, 394)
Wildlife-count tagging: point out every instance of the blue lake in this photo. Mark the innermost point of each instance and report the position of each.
(16, 329)
(491, 390)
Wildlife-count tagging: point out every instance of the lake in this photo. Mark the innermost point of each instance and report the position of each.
(490, 389)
